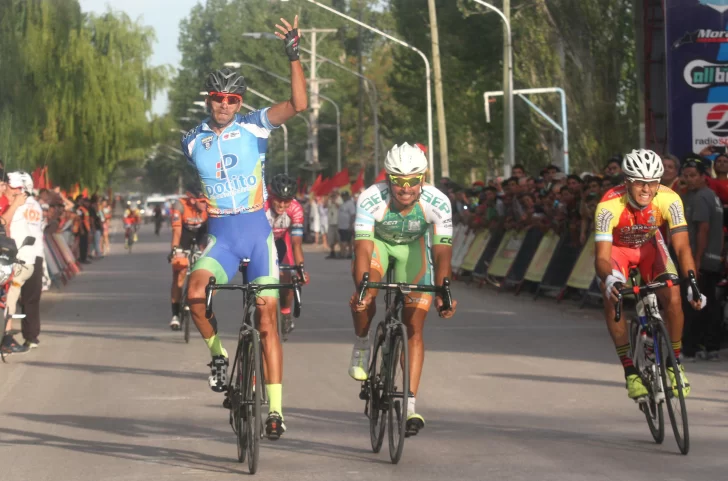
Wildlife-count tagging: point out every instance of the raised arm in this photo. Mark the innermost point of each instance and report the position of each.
(281, 112)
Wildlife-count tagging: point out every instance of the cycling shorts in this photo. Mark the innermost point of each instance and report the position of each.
(412, 264)
(233, 238)
(285, 251)
(651, 258)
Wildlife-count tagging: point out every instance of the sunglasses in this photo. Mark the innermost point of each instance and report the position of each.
(232, 99)
(406, 181)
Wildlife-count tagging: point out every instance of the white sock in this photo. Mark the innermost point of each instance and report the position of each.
(411, 405)
(362, 342)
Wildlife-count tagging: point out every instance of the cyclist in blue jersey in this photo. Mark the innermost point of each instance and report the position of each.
(228, 152)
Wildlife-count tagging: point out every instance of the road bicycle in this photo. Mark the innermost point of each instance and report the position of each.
(386, 391)
(192, 254)
(652, 354)
(245, 392)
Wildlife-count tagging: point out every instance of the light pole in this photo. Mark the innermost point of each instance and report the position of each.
(373, 99)
(427, 74)
(509, 145)
(563, 128)
(283, 79)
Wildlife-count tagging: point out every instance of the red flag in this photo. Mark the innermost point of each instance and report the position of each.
(340, 179)
(358, 183)
(382, 176)
(324, 188)
(36, 175)
(422, 148)
(316, 184)
(84, 194)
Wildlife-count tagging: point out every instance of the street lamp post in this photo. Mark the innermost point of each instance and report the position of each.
(509, 146)
(373, 99)
(427, 74)
(563, 128)
(283, 79)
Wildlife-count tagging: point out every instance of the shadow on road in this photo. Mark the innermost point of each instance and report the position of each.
(97, 369)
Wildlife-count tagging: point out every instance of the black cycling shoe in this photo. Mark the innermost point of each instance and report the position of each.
(288, 325)
(218, 373)
(274, 426)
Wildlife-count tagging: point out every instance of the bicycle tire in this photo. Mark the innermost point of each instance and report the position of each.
(186, 320)
(675, 403)
(397, 392)
(652, 410)
(254, 389)
(376, 408)
(237, 407)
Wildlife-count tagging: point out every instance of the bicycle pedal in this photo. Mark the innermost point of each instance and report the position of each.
(364, 393)
(642, 400)
(226, 402)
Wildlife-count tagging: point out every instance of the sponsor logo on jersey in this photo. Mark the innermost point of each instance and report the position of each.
(234, 185)
(390, 222)
(604, 219)
(413, 225)
(230, 135)
(436, 201)
(228, 162)
(207, 142)
(676, 210)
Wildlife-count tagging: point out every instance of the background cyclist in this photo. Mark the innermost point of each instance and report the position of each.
(189, 223)
(285, 215)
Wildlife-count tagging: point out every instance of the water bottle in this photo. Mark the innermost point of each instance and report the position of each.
(649, 345)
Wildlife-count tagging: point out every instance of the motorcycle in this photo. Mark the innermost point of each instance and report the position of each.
(8, 260)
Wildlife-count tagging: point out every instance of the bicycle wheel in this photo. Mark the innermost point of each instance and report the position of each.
(376, 408)
(675, 401)
(655, 417)
(186, 320)
(237, 407)
(253, 393)
(652, 409)
(397, 392)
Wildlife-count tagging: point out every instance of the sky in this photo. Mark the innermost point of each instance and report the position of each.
(164, 16)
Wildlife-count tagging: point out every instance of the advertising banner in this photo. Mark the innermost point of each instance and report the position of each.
(506, 253)
(697, 75)
(476, 250)
(540, 261)
(583, 273)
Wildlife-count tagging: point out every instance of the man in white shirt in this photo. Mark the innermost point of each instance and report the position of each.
(347, 213)
(24, 218)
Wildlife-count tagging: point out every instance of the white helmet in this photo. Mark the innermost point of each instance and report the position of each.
(643, 164)
(405, 159)
(20, 179)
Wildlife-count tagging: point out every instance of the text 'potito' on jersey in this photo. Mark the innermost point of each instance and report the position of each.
(231, 165)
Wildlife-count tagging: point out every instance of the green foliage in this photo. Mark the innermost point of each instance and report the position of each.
(75, 90)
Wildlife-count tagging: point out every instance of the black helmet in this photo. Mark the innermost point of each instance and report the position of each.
(194, 189)
(283, 187)
(226, 81)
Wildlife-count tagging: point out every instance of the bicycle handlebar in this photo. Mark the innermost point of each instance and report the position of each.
(298, 269)
(651, 287)
(213, 286)
(404, 288)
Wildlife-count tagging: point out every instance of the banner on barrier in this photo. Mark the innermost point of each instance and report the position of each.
(506, 253)
(461, 249)
(476, 250)
(583, 272)
(540, 261)
(66, 253)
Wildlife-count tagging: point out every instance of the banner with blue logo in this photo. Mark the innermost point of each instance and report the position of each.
(697, 75)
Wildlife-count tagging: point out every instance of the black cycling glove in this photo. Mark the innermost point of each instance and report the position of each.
(291, 43)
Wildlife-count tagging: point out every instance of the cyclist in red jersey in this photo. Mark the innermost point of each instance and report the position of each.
(627, 234)
(285, 215)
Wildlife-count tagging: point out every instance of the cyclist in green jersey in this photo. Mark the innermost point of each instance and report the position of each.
(410, 222)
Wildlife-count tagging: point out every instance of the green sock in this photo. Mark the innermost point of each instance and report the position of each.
(275, 398)
(215, 346)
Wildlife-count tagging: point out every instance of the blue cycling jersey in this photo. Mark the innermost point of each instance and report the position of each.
(231, 165)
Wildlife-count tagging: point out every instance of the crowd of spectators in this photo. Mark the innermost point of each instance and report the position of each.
(38, 213)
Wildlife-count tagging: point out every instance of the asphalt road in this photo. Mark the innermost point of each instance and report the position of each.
(512, 389)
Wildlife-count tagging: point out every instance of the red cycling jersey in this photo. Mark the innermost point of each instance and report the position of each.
(291, 220)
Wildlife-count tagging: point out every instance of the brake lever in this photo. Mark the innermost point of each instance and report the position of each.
(694, 285)
(208, 297)
(618, 305)
(296, 298)
(446, 295)
(363, 286)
